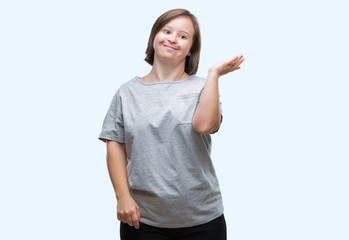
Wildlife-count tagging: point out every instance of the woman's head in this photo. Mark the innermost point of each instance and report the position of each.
(192, 60)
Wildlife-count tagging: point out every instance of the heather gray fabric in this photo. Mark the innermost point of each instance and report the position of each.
(169, 169)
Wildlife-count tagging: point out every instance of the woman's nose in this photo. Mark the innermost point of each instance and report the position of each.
(172, 38)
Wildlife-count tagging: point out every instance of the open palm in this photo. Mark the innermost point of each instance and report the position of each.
(228, 66)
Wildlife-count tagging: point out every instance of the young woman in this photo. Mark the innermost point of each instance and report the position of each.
(158, 130)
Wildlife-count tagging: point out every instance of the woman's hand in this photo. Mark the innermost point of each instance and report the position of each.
(128, 211)
(228, 66)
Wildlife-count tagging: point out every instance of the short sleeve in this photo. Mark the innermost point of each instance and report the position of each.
(113, 125)
(220, 107)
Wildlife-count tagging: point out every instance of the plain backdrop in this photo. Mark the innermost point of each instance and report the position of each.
(281, 154)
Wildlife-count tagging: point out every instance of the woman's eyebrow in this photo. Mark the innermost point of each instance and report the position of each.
(179, 31)
(186, 33)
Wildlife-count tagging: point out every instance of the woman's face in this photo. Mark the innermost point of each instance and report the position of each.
(174, 40)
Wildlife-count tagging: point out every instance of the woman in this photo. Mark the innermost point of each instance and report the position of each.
(158, 130)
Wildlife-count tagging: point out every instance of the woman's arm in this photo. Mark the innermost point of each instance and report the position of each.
(127, 209)
(207, 118)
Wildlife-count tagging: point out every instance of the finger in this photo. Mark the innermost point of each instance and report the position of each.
(119, 216)
(238, 57)
(232, 62)
(234, 59)
(128, 219)
(239, 60)
(135, 222)
(234, 66)
(238, 64)
(122, 216)
(138, 215)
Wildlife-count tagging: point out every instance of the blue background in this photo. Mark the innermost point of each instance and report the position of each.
(282, 152)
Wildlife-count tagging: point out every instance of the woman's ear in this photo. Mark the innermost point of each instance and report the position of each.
(189, 53)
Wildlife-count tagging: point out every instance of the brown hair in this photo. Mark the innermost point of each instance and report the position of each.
(192, 61)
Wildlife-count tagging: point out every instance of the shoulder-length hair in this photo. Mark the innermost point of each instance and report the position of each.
(192, 61)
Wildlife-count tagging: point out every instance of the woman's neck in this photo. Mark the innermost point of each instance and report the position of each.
(165, 73)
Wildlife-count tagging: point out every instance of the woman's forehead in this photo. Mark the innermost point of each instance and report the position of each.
(181, 23)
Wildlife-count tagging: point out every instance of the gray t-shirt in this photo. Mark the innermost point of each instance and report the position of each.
(169, 169)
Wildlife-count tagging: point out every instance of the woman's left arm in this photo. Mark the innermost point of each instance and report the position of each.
(207, 118)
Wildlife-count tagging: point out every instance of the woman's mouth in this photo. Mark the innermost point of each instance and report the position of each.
(167, 46)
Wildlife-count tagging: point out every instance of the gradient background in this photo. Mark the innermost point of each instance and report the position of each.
(281, 154)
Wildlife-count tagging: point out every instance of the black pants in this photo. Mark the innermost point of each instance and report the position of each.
(214, 230)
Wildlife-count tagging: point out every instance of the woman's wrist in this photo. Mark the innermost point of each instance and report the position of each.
(213, 72)
(122, 194)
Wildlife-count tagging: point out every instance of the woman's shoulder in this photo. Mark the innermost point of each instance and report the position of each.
(198, 79)
(127, 85)
(124, 88)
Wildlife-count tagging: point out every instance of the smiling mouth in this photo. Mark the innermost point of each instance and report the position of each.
(170, 47)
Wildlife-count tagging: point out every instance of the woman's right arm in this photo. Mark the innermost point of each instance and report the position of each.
(127, 208)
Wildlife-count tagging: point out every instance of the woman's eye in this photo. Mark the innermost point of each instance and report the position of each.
(166, 31)
(183, 36)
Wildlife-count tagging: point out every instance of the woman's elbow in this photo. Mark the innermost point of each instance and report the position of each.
(206, 128)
